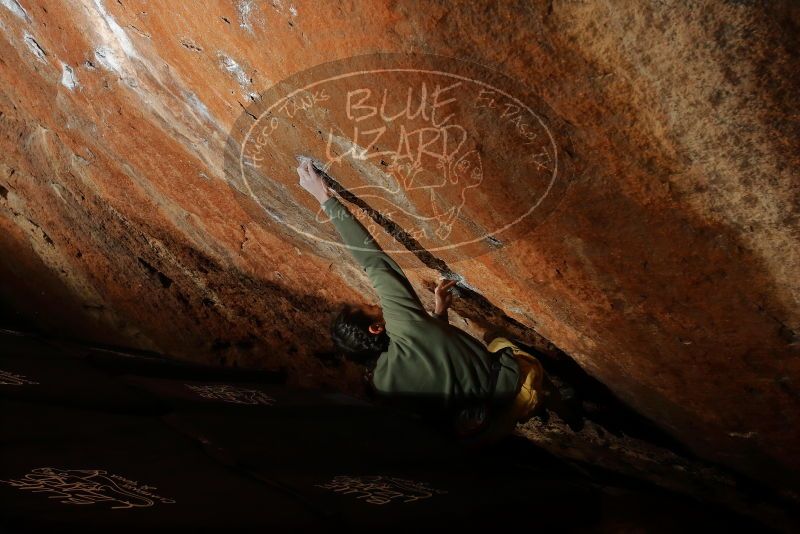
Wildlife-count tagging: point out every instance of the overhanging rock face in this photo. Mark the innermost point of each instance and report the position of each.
(659, 150)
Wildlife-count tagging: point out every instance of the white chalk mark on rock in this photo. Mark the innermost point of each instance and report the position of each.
(234, 68)
(16, 8)
(244, 9)
(68, 78)
(35, 48)
(116, 48)
(121, 37)
(198, 106)
(108, 59)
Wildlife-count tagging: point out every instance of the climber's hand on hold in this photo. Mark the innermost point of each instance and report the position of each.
(443, 296)
(312, 181)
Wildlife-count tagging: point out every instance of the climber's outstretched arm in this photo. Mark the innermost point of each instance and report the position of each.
(398, 299)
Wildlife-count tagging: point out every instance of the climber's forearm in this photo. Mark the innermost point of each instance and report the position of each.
(398, 299)
(355, 236)
(358, 240)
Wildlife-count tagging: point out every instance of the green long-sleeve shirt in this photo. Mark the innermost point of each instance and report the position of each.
(428, 360)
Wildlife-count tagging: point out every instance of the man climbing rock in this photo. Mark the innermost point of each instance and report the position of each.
(417, 359)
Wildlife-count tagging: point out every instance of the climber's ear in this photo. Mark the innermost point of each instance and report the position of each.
(376, 328)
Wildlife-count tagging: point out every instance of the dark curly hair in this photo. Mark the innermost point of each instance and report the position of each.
(350, 333)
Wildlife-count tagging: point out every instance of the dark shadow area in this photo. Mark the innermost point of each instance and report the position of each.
(12, 319)
(627, 504)
(83, 448)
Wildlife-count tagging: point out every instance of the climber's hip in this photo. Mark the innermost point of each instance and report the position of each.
(531, 376)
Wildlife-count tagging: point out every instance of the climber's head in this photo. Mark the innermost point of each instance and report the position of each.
(360, 332)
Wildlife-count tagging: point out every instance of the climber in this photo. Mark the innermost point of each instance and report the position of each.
(420, 360)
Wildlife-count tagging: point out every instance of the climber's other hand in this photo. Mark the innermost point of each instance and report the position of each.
(443, 296)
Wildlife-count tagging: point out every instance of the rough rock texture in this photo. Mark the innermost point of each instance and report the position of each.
(669, 270)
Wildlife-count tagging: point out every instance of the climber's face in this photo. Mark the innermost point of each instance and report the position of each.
(375, 313)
